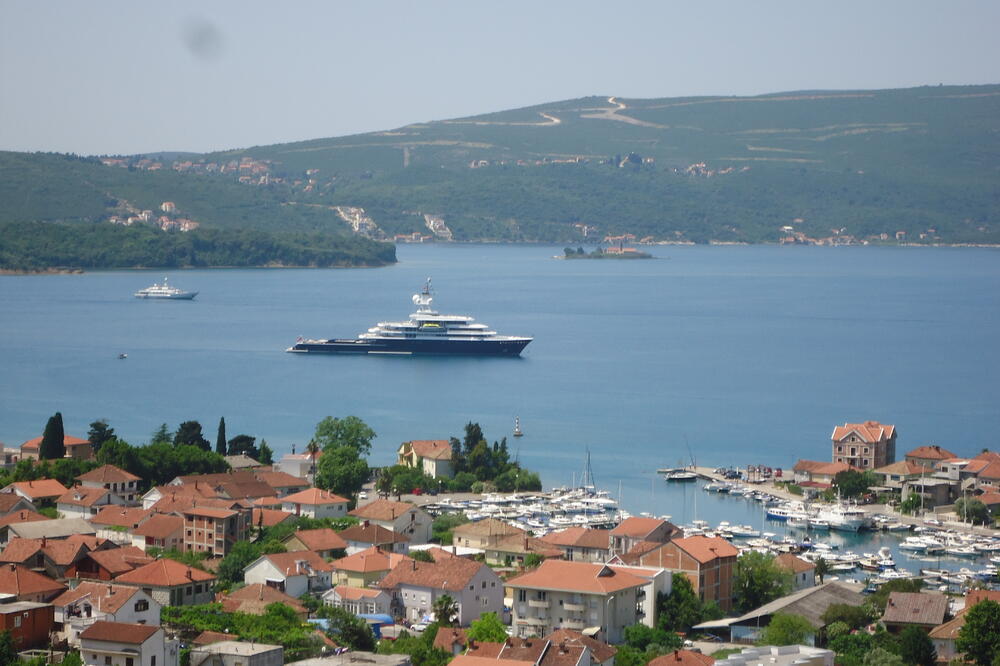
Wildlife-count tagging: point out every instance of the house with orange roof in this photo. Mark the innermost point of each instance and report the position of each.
(254, 600)
(600, 654)
(513, 550)
(359, 600)
(84, 502)
(818, 474)
(580, 596)
(914, 609)
(293, 573)
(315, 503)
(431, 456)
(116, 523)
(365, 568)
(945, 635)
(53, 556)
(484, 533)
(581, 544)
(634, 529)
(894, 475)
(708, 562)
(171, 583)
(364, 536)
(11, 502)
(928, 456)
(40, 491)
(18, 517)
(24, 584)
(414, 586)
(78, 448)
(108, 563)
(262, 517)
(324, 541)
(106, 643)
(214, 530)
(864, 445)
(114, 479)
(400, 517)
(88, 602)
(803, 571)
(282, 483)
(683, 658)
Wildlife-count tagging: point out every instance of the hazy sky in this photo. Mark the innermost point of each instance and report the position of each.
(129, 77)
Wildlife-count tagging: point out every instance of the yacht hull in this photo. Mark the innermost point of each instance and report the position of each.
(511, 347)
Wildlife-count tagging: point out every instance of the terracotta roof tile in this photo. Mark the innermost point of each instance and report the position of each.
(121, 516)
(164, 573)
(373, 534)
(794, 564)
(255, 598)
(356, 593)
(320, 539)
(445, 573)
(869, 431)
(705, 549)
(83, 496)
(313, 497)
(382, 509)
(524, 544)
(601, 651)
(580, 537)
(576, 577)
(279, 480)
(119, 632)
(435, 449)
(105, 597)
(636, 526)
(108, 474)
(447, 637)
(683, 658)
(904, 467)
(21, 517)
(160, 526)
(209, 637)
(42, 488)
(930, 453)
(35, 443)
(120, 560)
(487, 527)
(366, 561)
(289, 563)
(262, 517)
(8, 500)
(19, 581)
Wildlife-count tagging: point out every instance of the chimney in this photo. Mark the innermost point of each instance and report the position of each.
(111, 590)
(43, 541)
(414, 563)
(13, 567)
(188, 574)
(365, 524)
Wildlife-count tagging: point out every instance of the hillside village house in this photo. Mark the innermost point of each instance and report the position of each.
(431, 456)
(171, 583)
(635, 529)
(928, 456)
(77, 609)
(597, 599)
(23, 584)
(365, 568)
(400, 517)
(925, 610)
(38, 492)
(483, 534)
(816, 473)
(414, 586)
(315, 503)
(293, 573)
(213, 530)
(803, 571)
(11, 502)
(124, 485)
(255, 598)
(324, 542)
(359, 600)
(161, 530)
(78, 448)
(580, 544)
(865, 445)
(708, 562)
(302, 465)
(117, 643)
(364, 536)
(83, 502)
(108, 564)
(894, 475)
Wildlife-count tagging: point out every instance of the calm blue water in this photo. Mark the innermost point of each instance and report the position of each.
(740, 354)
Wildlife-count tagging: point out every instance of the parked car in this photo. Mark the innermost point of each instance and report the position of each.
(419, 627)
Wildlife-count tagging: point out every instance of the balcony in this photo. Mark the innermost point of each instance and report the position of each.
(575, 608)
(574, 624)
(534, 621)
(537, 603)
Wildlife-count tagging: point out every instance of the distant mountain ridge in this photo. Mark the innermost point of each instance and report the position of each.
(916, 165)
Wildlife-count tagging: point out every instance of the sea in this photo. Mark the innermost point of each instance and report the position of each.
(717, 355)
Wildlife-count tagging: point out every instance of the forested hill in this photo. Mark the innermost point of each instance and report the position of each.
(919, 165)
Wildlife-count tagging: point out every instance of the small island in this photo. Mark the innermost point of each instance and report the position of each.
(619, 252)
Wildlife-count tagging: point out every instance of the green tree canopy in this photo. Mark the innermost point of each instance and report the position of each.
(349, 431)
(916, 647)
(53, 439)
(346, 628)
(342, 471)
(243, 444)
(852, 483)
(445, 610)
(854, 617)
(681, 609)
(220, 437)
(100, 432)
(973, 510)
(911, 504)
(787, 629)
(189, 433)
(979, 637)
(758, 580)
(488, 628)
(265, 454)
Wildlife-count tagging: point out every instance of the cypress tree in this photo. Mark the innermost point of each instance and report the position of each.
(53, 439)
(220, 440)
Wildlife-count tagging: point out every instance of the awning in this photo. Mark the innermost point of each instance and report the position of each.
(591, 631)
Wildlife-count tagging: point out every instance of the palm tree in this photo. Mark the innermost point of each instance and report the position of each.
(445, 610)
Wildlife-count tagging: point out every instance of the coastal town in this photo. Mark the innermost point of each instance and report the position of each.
(262, 562)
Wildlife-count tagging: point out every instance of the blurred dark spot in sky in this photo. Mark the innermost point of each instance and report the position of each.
(202, 39)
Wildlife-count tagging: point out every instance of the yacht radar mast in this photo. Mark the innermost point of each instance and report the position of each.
(424, 299)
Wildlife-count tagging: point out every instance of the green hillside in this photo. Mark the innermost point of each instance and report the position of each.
(919, 165)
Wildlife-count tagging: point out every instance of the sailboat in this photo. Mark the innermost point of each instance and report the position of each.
(517, 427)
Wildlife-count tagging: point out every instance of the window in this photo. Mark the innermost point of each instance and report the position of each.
(522, 595)
(141, 605)
(152, 660)
(17, 620)
(493, 584)
(188, 590)
(129, 661)
(107, 661)
(471, 588)
(484, 584)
